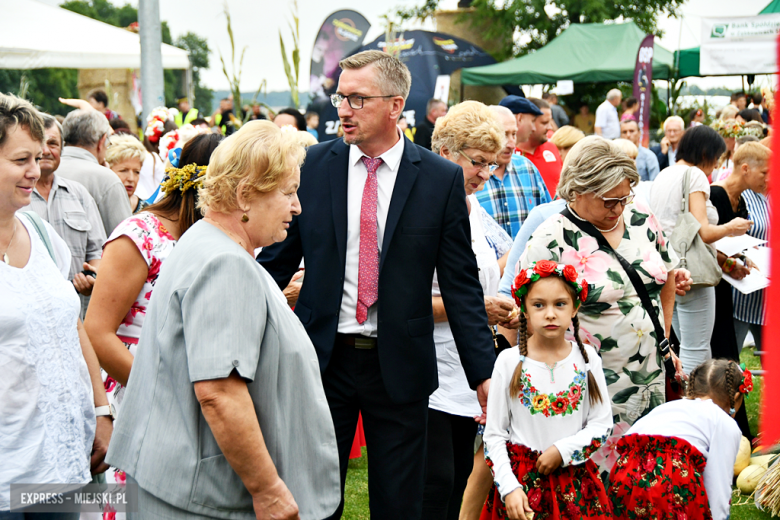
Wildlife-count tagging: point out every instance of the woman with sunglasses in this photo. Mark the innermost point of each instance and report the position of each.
(694, 315)
(471, 136)
(596, 183)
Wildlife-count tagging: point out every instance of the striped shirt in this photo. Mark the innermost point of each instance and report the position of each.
(750, 308)
(511, 199)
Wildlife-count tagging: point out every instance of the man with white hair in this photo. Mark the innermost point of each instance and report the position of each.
(515, 187)
(607, 120)
(85, 133)
(666, 152)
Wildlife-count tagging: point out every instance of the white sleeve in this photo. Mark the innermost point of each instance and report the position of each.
(719, 471)
(498, 423)
(578, 448)
(601, 117)
(699, 182)
(61, 250)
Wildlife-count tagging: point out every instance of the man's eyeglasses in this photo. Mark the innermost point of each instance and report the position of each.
(480, 165)
(355, 101)
(610, 203)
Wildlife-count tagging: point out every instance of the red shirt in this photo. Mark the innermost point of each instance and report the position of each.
(548, 161)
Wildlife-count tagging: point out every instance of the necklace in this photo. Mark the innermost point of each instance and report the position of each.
(5, 255)
(613, 228)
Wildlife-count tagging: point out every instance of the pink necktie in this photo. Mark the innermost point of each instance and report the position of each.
(368, 265)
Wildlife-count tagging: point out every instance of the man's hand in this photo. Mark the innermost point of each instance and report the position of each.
(683, 281)
(517, 505)
(103, 430)
(83, 283)
(482, 397)
(293, 289)
(275, 503)
(499, 309)
(665, 145)
(549, 461)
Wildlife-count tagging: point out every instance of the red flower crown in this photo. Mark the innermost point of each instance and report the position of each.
(543, 269)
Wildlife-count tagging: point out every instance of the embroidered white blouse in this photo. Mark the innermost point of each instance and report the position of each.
(711, 431)
(47, 414)
(553, 408)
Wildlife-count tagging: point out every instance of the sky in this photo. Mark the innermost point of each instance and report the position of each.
(256, 25)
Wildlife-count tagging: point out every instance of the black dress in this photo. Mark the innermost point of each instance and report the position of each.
(724, 338)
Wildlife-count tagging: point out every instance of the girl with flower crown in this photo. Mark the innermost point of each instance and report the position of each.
(677, 462)
(548, 409)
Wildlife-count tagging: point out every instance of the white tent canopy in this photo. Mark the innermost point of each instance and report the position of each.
(41, 36)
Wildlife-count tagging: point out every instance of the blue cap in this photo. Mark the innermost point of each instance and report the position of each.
(520, 105)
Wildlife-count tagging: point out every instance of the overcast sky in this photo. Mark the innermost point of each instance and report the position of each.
(256, 24)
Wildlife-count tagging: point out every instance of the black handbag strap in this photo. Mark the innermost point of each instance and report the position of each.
(636, 281)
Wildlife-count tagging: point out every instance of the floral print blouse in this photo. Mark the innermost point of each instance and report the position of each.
(155, 243)
(612, 318)
(552, 408)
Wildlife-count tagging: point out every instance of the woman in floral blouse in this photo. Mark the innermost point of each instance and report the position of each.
(596, 182)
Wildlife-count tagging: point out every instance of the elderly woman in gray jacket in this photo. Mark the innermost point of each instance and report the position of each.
(224, 414)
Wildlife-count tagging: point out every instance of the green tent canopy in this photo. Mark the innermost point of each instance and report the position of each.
(583, 53)
(688, 63)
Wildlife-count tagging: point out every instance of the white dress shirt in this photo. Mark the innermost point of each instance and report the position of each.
(356, 180)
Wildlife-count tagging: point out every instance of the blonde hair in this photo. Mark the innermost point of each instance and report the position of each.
(305, 139)
(468, 125)
(752, 153)
(256, 159)
(124, 147)
(673, 119)
(627, 147)
(566, 137)
(595, 165)
(393, 77)
(729, 112)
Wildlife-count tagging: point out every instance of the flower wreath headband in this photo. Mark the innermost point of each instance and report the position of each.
(182, 179)
(544, 269)
(745, 385)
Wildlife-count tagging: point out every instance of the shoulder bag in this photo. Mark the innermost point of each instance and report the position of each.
(695, 256)
(662, 342)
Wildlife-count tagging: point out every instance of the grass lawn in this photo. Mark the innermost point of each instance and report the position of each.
(356, 507)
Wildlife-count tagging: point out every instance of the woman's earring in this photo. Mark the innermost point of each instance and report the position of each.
(245, 218)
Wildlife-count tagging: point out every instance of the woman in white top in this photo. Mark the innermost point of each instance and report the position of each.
(694, 313)
(471, 136)
(680, 457)
(50, 381)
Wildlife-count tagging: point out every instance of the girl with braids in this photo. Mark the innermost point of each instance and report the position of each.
(678, 460)
(548, 409)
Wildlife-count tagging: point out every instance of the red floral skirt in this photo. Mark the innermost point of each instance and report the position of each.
(571, 492)
(658, 478)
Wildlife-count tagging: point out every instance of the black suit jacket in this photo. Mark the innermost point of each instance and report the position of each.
(427, 228)
(423, 133)
(663, 159)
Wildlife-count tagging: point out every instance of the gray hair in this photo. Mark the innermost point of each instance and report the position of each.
(595, 165)
(614, 93)
(50, 121)
(15, 111)
(433, 102)
(84, 128)
(393, 77)
(500, 110)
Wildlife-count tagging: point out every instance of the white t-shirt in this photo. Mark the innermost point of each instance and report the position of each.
(607, 119)
(454, 396)
(47, 414)
(711, 431)
(665, 196)
(553, 408)
(152, 174)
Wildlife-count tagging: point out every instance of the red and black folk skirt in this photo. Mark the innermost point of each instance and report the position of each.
(568, 493)
(658, 478)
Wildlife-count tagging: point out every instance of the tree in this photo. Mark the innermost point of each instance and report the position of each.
(537, 22)
(198, 48)
(42, 87)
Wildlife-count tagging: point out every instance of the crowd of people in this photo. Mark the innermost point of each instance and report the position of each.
(502, 304)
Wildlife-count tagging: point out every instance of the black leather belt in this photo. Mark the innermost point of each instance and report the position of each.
(357, 341)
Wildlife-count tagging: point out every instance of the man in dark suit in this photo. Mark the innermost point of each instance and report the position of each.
(379, 214)
(666, 152)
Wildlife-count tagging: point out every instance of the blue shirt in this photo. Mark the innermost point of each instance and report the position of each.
(647, 164)
(511, 199)
(535, 219)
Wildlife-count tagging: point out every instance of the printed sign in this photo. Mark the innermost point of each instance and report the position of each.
(739, 45)
(643, 82)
